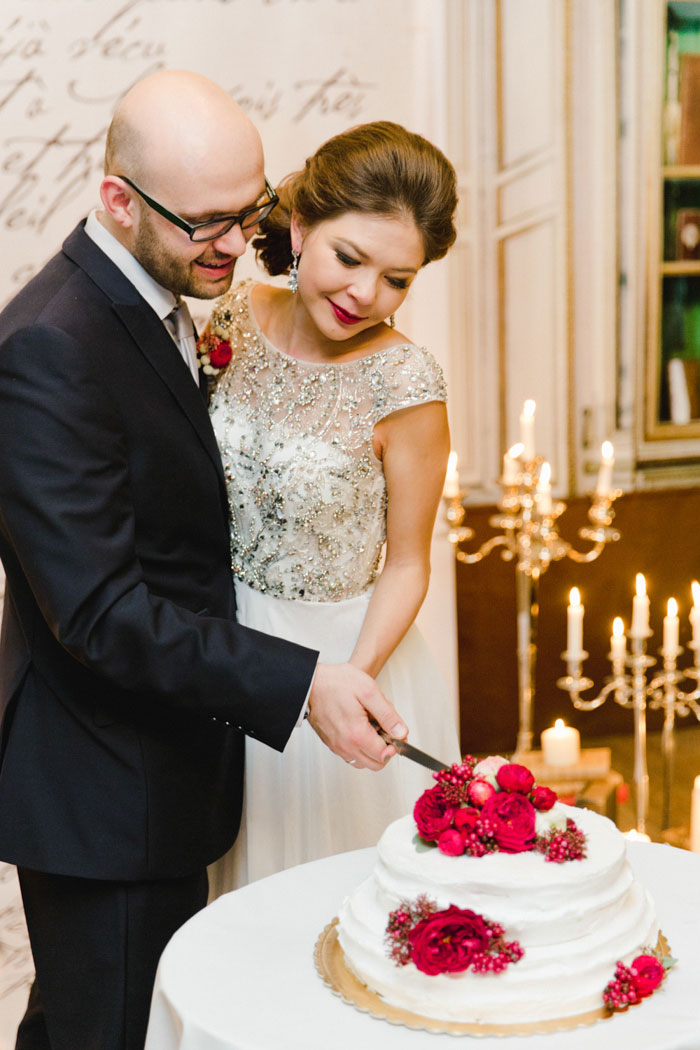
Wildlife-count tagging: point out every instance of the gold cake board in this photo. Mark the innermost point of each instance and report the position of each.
(330, 963)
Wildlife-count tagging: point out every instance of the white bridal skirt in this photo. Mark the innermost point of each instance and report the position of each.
(307, 803)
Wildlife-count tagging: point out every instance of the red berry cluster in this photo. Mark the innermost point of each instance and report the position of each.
(500, 952)
(621, 992)
(559, 846)
(401, 921)
(455, 781)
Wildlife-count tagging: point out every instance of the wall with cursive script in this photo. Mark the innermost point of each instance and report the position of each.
(302, 69)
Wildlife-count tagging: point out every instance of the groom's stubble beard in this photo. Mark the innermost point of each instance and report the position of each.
(171, 271)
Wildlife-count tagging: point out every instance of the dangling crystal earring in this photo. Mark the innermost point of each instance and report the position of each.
(392, 321)
(293, 282)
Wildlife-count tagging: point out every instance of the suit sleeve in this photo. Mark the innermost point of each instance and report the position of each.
(66, 513)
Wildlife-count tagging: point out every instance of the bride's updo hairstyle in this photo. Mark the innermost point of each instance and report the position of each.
(379, 168)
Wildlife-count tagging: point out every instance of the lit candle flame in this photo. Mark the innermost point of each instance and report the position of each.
(545, 474)
(529, 408)
(695, 588)
(618, 627)
(516, 451)
(559, 725)
(672, 607)
(607, 452)
(641, 585)
(574, 599)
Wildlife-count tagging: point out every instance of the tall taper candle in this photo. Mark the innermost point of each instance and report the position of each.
(451, 489)
(640, 609)
(511, 468)
(527, 430)
(605, 472)
(671, 626)
(695, 611)
(695, 817)
(574, 624)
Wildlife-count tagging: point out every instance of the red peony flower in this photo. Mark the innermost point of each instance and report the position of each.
(447, 941)
(513, 777)
(451, 843)
(433, 814)
(466, 819)
(648, 974)
(513, 817)
(543, 798)
(219, 351)
(479, 791)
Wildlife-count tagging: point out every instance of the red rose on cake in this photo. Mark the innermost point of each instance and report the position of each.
(513, 818)
(433, 814)
(514, 777)
(447, 941)
(648, 974)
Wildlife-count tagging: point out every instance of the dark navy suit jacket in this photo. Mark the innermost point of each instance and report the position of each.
(120, 660)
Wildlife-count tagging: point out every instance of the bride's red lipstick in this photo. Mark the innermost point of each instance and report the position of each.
(343, 316)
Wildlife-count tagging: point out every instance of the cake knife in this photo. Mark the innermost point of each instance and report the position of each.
(409, 751)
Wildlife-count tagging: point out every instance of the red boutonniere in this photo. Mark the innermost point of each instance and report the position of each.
(213, 353)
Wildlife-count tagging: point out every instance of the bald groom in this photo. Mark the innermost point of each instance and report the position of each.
(127, 687)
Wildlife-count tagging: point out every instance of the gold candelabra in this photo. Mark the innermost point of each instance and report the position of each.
(527, 519)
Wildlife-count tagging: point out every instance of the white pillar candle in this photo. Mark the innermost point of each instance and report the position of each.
(695, 611)
(527, 430)
(543, 490)
(511, 467)
(561, 745)
(636, 836)
(671, 626)
(574, 626)
(618, 641)
(695, 817)
(640, 609)
(451, 489)
(605, 471)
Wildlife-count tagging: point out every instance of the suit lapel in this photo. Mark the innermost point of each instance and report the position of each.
(150, 336)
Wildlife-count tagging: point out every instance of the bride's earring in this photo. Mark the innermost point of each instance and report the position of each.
(392, 321)
(293, 282)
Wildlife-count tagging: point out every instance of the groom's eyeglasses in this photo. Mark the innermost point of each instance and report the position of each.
(214, 228)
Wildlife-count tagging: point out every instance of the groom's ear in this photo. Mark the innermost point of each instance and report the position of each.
(118, 200)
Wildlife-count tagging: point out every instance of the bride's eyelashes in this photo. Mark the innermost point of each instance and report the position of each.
(400, 283)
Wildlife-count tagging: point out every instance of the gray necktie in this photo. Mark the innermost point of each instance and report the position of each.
(179, 324)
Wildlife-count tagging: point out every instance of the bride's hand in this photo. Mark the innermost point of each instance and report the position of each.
(341, 702)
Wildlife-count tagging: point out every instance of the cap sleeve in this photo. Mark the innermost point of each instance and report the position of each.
(409, 375)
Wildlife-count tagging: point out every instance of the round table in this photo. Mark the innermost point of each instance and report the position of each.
(240, 974)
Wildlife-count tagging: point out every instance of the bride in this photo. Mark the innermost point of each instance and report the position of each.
(333, 433)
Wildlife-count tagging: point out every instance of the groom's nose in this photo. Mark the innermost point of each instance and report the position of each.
(233, 242)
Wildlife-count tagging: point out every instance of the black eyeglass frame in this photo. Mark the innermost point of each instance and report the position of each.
(231, 220)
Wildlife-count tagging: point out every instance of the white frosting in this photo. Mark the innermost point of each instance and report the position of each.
(573, 920)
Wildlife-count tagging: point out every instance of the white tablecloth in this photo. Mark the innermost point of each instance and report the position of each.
(240, 975)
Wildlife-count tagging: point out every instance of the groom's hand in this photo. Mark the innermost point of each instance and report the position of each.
(341, 702)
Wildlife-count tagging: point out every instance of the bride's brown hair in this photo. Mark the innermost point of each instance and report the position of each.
(379, 168)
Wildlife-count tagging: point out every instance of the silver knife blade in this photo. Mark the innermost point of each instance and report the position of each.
(409, 751)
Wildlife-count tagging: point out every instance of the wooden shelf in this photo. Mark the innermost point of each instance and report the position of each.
(676, 172)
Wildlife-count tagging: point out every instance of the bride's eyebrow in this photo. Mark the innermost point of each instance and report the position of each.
(363, 255)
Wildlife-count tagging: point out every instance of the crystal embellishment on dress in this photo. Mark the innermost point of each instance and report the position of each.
(306, 491)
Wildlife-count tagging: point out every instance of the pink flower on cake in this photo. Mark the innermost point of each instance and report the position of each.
(447, 941)
(451, 843)
(487, 768)
(648, 974)
(513, 818)
(433, 814)
(513, 777)
(542, 798)
(480, 791)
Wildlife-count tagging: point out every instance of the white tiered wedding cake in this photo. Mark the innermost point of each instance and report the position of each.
(536, 897)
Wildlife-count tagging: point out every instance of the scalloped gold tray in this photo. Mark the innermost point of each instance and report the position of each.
(330, 963)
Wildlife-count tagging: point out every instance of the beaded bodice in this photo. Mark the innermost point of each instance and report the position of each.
(307, 494)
